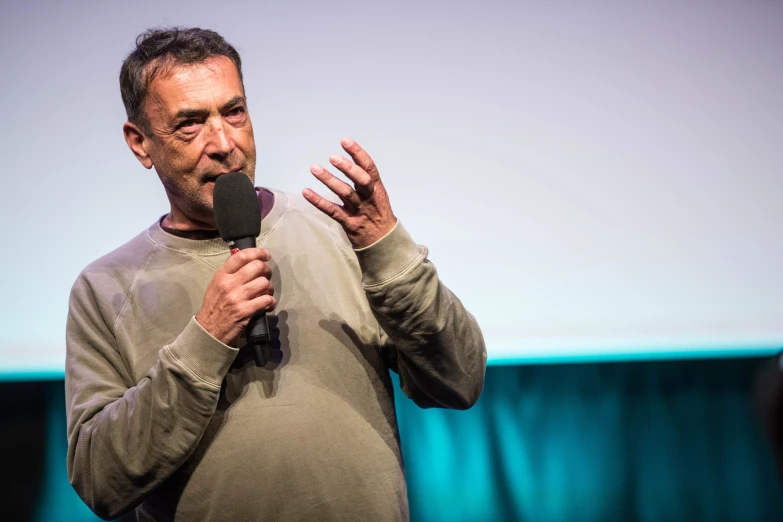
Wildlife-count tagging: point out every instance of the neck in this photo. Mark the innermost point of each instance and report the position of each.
(178, 220)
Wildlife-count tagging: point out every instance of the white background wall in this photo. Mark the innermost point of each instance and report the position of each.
(593, 179)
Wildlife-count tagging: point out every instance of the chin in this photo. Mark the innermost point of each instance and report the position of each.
(201, 202)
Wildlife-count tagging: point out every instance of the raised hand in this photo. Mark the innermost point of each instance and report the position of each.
(366, 214)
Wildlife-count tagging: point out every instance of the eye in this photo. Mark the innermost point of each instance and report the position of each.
(187, 125)
(236, 113)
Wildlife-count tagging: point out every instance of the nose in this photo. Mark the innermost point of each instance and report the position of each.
(220, 142)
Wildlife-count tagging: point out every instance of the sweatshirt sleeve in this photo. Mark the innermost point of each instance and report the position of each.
(126, 439)
(440, 352)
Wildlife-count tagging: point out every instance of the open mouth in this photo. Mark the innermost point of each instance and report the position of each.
(212, 179)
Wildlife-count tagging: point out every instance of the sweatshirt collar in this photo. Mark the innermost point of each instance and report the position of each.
(216, 246)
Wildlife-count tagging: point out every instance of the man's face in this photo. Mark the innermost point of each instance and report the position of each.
(200, 129)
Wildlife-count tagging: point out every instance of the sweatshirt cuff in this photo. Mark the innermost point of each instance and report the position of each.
(208, 358)
(389, 256)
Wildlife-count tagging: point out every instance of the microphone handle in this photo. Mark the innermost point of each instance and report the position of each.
(257, 330)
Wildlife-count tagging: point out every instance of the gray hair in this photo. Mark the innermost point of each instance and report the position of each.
(159, 48)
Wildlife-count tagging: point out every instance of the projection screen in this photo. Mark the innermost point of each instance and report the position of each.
(596, 180)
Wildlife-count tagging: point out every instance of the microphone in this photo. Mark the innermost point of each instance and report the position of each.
(238, 220)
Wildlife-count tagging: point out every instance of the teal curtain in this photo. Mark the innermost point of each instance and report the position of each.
(657, 441)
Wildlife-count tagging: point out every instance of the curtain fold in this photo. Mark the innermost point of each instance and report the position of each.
(651, 441)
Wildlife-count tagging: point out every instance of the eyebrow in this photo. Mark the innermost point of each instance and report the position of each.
(194, 113)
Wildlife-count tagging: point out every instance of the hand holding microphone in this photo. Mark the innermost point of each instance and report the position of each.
(240, 293)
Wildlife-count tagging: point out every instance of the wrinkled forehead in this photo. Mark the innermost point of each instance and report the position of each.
(173, 85)
(167, 67)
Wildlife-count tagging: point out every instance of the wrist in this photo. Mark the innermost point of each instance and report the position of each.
(215, 332)
(388, 257)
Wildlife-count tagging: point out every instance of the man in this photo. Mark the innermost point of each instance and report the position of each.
(166, 413)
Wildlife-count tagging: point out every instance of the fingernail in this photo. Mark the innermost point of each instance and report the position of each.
(316, 169)
(347, 141)
(335, 159)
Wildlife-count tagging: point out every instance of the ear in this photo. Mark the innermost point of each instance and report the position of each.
(138, 143)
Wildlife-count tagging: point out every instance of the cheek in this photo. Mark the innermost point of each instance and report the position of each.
(185, 157)
(247, 142)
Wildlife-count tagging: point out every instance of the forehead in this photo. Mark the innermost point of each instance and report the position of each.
(210, 82)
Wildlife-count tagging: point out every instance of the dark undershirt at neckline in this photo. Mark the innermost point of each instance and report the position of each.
(204, 234)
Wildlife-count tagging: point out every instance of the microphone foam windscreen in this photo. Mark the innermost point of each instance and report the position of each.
(237, 212)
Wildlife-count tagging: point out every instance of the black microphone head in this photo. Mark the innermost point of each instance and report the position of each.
(237, 212)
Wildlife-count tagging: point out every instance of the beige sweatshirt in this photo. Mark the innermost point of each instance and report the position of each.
(164, 418)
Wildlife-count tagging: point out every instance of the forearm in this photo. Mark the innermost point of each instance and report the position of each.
(124, 442)
(441, 354)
